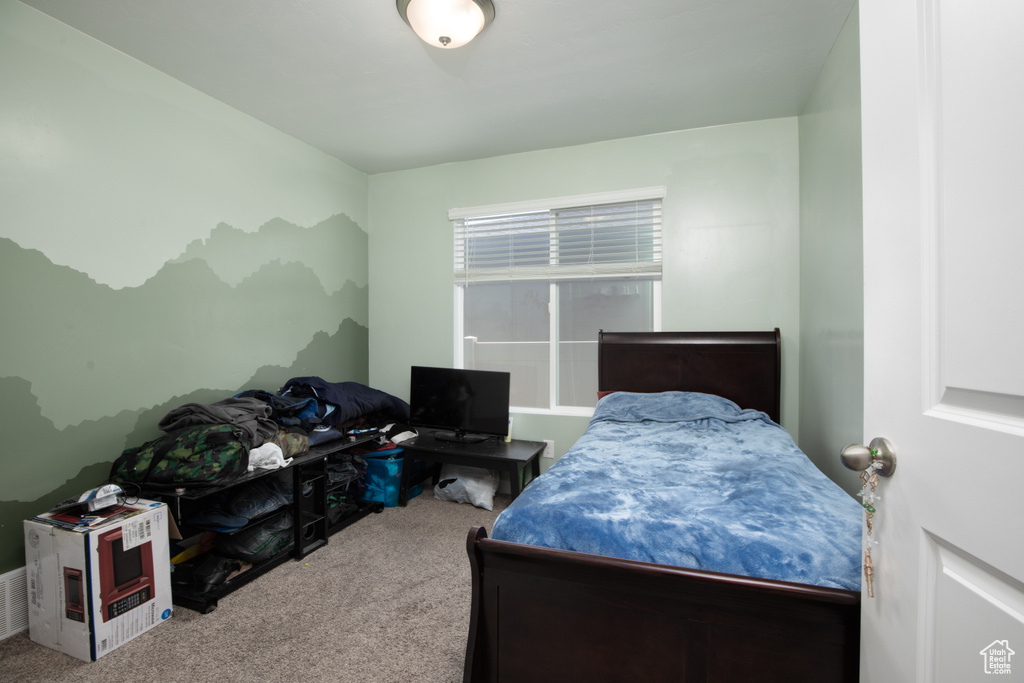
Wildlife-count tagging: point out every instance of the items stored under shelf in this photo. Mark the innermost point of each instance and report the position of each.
(244, 528)
(224, 575)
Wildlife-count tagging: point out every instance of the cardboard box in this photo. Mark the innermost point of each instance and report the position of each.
(97, 581)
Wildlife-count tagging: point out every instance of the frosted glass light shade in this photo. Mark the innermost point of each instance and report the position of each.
(446, 23)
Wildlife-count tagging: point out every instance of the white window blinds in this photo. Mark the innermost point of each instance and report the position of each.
(601, 240)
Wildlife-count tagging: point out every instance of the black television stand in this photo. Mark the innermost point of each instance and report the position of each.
(510, 457)
(459, 436)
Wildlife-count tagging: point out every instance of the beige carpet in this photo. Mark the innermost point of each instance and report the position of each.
(386, 600)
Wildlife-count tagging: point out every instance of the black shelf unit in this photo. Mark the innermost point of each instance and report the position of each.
(309, 509)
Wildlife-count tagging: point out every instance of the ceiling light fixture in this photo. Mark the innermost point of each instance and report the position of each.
(446, 23)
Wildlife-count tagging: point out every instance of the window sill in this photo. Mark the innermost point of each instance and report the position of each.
(560, 411)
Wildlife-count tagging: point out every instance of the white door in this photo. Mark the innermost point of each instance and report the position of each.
(942, 85)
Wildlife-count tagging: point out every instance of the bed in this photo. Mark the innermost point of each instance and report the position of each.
(673, 596)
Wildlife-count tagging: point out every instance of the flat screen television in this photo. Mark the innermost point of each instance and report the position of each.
(464, 405)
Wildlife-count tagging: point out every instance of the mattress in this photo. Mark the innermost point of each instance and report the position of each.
(692, 480)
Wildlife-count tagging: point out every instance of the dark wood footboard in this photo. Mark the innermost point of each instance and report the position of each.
(555, 615)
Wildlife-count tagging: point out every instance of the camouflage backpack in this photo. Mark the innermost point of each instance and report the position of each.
(208, 454)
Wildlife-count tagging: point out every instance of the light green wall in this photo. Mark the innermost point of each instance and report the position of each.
(731, 242)
(156, 247)
(831, 262)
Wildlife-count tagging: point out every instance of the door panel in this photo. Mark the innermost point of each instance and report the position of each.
(973, 112)
(944, 323)
(971, 600)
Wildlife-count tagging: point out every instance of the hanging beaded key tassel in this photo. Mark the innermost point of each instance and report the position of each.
(869, 481)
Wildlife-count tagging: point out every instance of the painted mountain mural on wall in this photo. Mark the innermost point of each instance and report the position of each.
(335, 249)
(87, 370)
(78, 457)
(90, 350)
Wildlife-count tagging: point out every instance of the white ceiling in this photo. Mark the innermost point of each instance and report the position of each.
(349, 77)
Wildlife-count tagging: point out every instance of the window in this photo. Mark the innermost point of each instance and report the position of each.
(534, 283)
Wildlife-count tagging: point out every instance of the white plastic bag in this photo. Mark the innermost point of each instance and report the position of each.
(269, 456)
(462, 484)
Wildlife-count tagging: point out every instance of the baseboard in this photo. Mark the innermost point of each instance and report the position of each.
(13, 603)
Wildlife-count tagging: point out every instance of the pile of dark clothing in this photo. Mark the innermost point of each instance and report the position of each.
(213, 444)
(209, 444)
(308, 403)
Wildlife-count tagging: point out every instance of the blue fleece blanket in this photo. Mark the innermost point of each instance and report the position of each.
(691, 480)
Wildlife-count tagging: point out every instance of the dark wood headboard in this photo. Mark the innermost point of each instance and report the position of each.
(744, 367)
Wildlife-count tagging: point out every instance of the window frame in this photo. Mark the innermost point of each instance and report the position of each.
(552, 204)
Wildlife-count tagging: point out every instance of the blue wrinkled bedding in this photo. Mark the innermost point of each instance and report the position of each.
(691, 480)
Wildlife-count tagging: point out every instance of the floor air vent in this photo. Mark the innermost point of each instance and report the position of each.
(13, 603)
